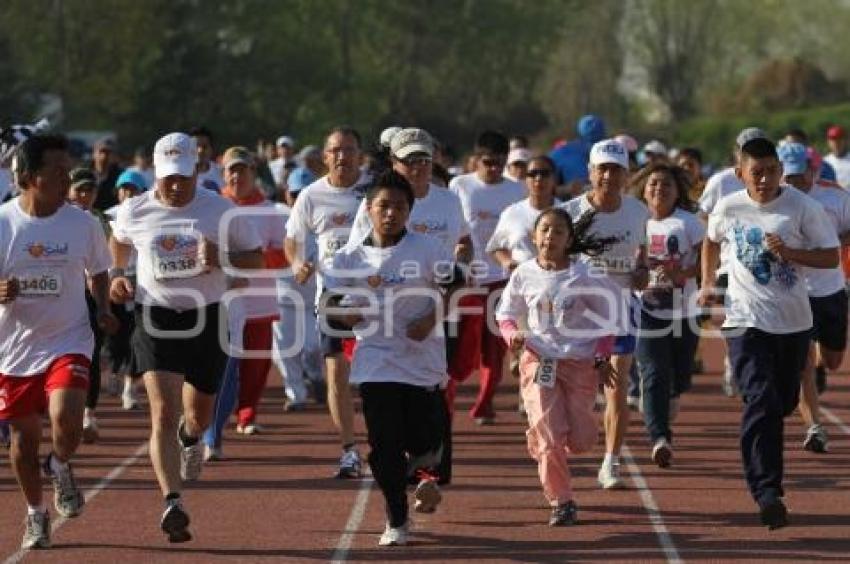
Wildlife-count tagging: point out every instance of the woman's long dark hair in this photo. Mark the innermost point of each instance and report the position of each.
(583, 242)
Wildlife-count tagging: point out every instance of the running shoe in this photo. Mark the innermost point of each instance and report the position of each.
(36, 531)
(564, 515)
(90, 431)
(175, 522)
(213, 453)
(394, 536)
(662, 453)
(609, 477)
(191, 456)
(485, 421)
(249, 429)
(350, 465)
(816, 439)
(774, 514)
(294, 406)
(67, 497)
(427, 496)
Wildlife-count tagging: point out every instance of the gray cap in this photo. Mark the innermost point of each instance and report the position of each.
(411, 140)
(749, 134)
(387, 135)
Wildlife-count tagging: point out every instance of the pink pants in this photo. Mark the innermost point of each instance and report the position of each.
(560, 420)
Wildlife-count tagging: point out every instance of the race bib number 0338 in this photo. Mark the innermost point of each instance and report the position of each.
(175, 256)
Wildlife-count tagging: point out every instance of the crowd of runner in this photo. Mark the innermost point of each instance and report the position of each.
(383, 270)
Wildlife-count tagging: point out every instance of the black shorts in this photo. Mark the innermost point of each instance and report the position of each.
(200, 358)
(830, 320)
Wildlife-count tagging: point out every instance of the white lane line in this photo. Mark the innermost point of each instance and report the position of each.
(353, 523)
(835, 420)
(89, 495)
(646, 497)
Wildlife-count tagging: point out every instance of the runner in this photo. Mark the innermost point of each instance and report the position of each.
(772, 231)
(827, 295)
(45, 334)
(484, 195)
(400, 361)
(250, 316)
(83, 193)
(174, 229)
(667, 338)
(623, 217)
(326, 210)
(437, 213)
(558, 380)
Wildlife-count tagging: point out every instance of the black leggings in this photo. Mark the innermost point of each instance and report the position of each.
(94, 372)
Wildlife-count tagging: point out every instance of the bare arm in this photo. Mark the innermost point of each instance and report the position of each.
(813, 258)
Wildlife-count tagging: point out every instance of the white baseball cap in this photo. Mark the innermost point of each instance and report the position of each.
(387, 135)
(411, 140)
(609, 151)
(655, 147)
(285, 140)
(520, 155)
(176, 153)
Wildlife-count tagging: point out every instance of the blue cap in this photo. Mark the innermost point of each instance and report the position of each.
(133, 178)
(591, 128)
(794, 158)
(299, 179)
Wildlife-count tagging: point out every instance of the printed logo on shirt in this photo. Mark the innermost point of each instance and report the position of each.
(39, 249)
(750, 251)
(340, 219)
(429, 226)
(386, 279)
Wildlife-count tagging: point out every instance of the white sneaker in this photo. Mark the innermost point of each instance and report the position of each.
(213, 453)
(36, 531)
(427, 496)
(816, 439)
(249, 429)
(350, 465)
(662, 453)
(90, 431)
(609, 477)
(191, 458)
(394, 536)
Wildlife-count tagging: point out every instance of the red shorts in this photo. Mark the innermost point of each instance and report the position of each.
(24, 395)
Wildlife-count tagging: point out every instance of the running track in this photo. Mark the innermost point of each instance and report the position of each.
(273, 500)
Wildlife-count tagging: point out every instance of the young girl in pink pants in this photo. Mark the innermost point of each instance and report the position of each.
(571, 317)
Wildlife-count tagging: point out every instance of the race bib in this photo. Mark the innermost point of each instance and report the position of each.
(40, 283)
(332, 245)
(175, 256)
(611, 265)
(546, 371)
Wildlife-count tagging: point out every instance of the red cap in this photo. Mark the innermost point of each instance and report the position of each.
(836, 132)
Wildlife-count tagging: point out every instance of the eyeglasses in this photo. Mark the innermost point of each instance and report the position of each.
(539, 173)
(415, 161)
(493, 163)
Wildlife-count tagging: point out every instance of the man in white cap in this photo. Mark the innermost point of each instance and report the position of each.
(623, 218)
(517, 164)
(285, 161)
(655, 152)
(180, 281)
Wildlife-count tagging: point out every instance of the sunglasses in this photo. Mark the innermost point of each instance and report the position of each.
(415, 161)
(490, 163)
(539, 173)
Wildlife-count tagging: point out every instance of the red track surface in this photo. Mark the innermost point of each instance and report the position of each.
(273, 498)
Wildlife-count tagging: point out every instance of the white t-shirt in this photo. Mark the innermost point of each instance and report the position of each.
(286, 285)
(278, 170)
(50, 256)
(212, 179)
(568, 310)
(270, 226)
(328, 213)
(822, 282)
(627, 224)
(401, 281)
(168, 271)
(720, 185)
(763, 292)
(514, 232)
(6, 183)
(439, 215)
(842, 168)
(673, 240)
(482, 205)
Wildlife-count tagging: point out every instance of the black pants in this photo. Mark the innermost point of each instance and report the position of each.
(405, 427)
(767, 369)
(93, 393)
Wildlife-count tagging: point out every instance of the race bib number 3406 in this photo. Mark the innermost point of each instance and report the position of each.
(40, 284)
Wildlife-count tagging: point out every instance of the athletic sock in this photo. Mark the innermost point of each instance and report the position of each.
(33, 509)
(610, 459)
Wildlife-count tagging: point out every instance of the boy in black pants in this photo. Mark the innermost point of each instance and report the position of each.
(772, 230)
(387, 288)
